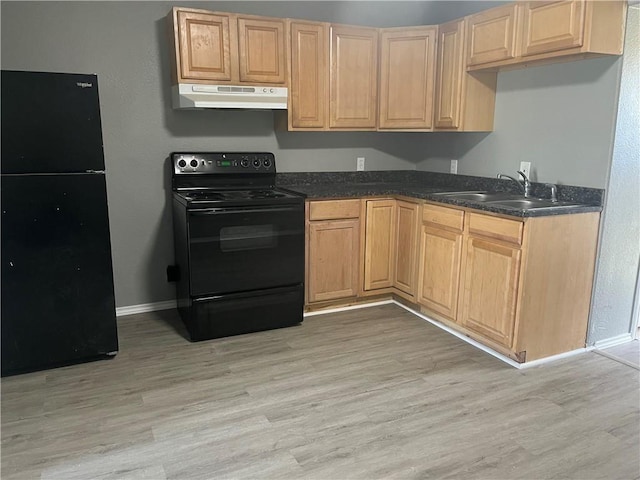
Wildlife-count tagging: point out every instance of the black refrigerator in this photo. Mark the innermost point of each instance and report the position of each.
(57, 300)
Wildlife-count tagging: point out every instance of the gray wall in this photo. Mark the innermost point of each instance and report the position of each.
(617, 272)
(126, 44)
(560, 118)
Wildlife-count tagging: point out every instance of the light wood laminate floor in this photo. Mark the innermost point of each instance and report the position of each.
(370, 393)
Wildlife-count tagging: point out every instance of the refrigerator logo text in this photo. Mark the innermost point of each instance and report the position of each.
(84, 84)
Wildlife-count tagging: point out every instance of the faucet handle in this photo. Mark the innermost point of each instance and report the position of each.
(554, 191)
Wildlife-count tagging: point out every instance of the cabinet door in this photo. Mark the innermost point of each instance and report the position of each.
(407, 78)
(333, 259)
(406, 246)
(440, 253)
(491, 35)
(551, 26)
(450, 69)
(261, 48)
(490, 289)
(354, 73)
(309, 75)
(205, 46)
(379, 249)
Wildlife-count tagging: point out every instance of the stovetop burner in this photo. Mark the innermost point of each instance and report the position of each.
(217, 179)
(204, 198)
(211, 195)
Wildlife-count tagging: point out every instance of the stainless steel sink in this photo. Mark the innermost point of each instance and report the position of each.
(469, 193)
(505, 200)
(477, 196)
(529, 203)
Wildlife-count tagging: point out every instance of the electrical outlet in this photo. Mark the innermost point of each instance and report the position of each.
(360, 164)
(526, 168)
(454, 166)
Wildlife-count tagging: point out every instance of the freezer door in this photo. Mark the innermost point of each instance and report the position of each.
(50, 123)
(57, 280)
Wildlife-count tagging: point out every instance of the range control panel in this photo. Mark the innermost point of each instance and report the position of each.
(228, 162)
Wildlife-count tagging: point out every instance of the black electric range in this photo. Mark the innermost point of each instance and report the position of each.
(239, 243)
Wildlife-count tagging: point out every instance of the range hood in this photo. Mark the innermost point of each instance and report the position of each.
(189, 96)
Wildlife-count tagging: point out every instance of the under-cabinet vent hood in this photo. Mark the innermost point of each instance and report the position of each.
(188, 95)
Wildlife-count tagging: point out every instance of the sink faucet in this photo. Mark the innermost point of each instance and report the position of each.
(525, 186)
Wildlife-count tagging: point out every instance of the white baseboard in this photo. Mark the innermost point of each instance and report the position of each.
(613, 341)
(350, 307)
(152, 307)
(554, 358)
(461, 336)
(144, 308)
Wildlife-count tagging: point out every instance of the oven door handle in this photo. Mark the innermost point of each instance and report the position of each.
(231, 210)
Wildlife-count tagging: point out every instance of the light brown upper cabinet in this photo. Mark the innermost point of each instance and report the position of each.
(216, 47)
(407, 75)
(203, 45)
(309, 82)
(261, 47)
(450, 72)
(549, 32)
(552, 26)
(463, 101)
(491, 35)
(354, 75)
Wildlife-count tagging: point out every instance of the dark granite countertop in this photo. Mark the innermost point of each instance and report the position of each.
(423, 185)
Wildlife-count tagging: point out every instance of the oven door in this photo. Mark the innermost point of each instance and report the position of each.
(236, 249)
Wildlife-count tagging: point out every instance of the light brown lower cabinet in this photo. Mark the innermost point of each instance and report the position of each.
(333, 250)
(440, 256)
(379, 244)
(489, 290)
(390, 252)
(522, 286)
(406, 255)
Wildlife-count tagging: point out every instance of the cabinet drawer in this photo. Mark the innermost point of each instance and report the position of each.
(498, 228)
(334, 209)
(446, 217)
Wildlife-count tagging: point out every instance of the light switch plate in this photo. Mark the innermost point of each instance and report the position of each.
(526, 168)
(454, 167)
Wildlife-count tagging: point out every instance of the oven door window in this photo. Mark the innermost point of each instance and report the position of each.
(247, 237)
(240, 249)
